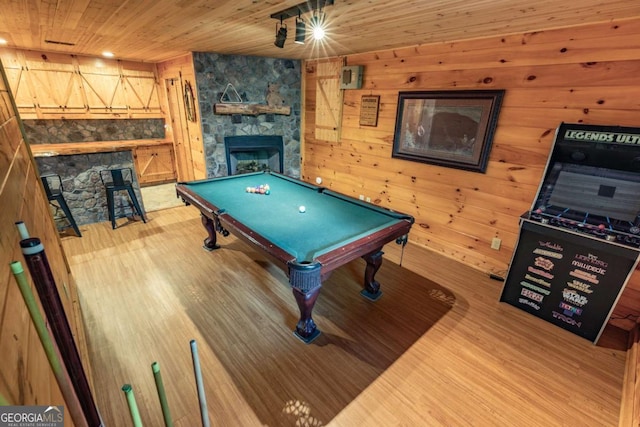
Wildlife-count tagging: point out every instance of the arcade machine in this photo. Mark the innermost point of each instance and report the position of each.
(580, 242)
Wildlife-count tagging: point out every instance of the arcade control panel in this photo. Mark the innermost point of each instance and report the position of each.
(621, 232)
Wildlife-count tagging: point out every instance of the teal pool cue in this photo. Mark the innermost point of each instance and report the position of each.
(155, 367)
(133, 406)
(59, 371)
(22, 230)
(204, 414)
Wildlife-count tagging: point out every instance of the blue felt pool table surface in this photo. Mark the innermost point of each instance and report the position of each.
(330, 220)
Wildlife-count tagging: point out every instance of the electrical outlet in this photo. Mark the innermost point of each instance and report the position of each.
(362, 197)
(495, 243)
(368, 199)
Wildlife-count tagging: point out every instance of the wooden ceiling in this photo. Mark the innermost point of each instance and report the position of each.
(156, 30)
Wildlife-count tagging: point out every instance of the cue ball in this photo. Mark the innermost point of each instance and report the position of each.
(301, 209)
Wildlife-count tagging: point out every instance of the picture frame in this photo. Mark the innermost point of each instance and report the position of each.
(447, 128)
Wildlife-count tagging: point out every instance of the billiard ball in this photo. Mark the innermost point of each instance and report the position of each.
(267, 192)
(301, 209)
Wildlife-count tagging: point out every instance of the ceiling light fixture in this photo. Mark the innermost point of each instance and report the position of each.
(301, 31)
(316, 21)
(108, 54)
(317, 26)
(3, 41)
(281, 35)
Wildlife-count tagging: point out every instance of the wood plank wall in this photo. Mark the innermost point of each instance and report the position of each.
(586, 74)
(25, 374)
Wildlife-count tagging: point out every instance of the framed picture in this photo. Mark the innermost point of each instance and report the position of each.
(447, 128)
(369, 108)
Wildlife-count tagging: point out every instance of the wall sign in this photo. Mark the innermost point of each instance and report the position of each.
(567, 279)
(369, 108)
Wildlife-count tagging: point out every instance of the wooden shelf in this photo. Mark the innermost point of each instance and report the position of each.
(70, 148)
(250, 109)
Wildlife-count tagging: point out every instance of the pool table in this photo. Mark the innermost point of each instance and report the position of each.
(333, 230)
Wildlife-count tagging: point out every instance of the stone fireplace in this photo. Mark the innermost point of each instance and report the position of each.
(254, 153)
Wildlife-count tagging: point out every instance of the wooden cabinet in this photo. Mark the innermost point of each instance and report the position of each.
(155, 164)
(63, 86)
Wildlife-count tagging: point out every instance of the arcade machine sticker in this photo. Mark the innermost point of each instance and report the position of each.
(566, 279)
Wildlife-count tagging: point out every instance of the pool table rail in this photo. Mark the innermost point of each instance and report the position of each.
(363, 246)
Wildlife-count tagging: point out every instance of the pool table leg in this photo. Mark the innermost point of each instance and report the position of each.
(306, 281)
(210, 243)
(212, 225)
(306, 328)
(371, 286)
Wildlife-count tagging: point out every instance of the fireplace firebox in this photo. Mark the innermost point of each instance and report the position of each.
(254, 153)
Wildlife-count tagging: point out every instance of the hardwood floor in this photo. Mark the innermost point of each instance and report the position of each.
(437, 349)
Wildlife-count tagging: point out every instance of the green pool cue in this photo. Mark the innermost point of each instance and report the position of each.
(155, 367)
(133, 406)
(60, 373)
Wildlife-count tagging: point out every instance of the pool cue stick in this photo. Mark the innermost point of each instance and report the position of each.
(59, 371)
(38, 265)
(155, 367)
(133, 406)
(204, 414)
(22, 230)
(3, 400)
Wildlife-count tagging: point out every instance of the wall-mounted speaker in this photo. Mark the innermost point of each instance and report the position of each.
(351, 77)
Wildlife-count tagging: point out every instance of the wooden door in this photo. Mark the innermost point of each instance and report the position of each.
(328, 100)
(181, 141)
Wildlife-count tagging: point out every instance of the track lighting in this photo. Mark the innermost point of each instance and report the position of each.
(301, 31)
(281, 35)
(316, 22)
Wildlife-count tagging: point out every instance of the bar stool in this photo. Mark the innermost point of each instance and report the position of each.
(115, 180)
(53, 187)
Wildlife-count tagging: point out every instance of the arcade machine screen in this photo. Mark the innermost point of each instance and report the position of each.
(592, 184)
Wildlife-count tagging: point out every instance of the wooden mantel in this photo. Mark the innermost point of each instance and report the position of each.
(250, 109)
